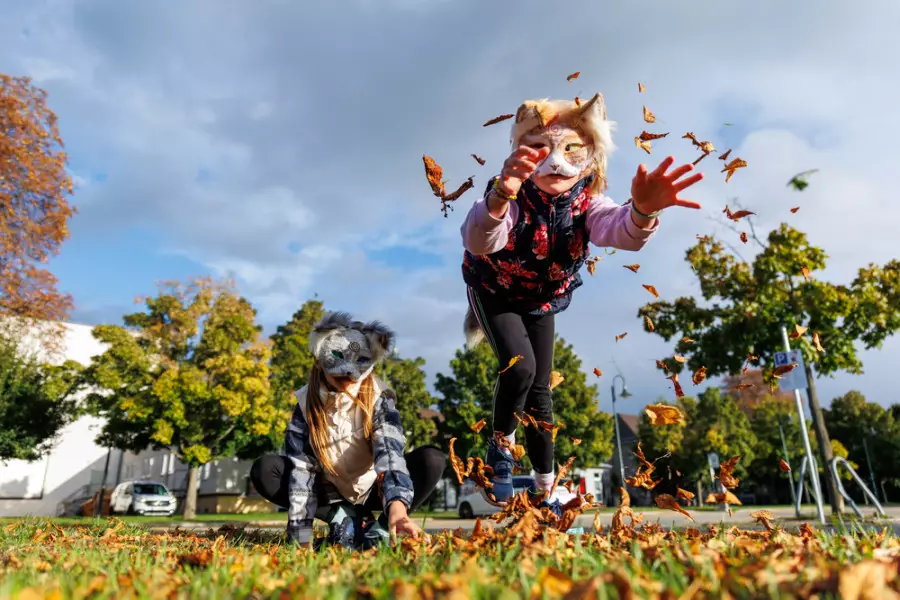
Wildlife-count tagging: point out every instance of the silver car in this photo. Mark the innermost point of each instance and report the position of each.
(143, 498)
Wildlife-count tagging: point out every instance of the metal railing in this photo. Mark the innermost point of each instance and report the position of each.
(840, 486)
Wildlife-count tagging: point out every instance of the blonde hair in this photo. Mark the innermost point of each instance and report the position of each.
(316, 417)
(589, 118)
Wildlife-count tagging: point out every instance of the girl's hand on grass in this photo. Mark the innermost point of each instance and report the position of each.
(400, 523)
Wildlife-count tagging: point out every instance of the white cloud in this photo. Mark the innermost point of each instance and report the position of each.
(311, 122)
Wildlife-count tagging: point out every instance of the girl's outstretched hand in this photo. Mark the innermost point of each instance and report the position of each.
(659, 190)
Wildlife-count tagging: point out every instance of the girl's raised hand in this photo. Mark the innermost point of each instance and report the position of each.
(520, 165)
(658, 190)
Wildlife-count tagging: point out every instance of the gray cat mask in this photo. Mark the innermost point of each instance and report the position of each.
(348, 348)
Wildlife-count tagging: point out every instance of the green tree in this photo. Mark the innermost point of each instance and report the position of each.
(772, 421)
(407, 379)
(190, 374)
(746, 304)
(467, 398)
(36, 401)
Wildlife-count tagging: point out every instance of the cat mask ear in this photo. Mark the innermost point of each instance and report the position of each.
(381, 340)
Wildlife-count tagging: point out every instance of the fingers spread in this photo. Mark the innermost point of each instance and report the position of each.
(679, 171)
(663, 166)
(686, 203)
(686, 183)
(641, 175)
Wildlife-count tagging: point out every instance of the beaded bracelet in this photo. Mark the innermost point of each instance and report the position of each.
(652, 215)
(501, 193)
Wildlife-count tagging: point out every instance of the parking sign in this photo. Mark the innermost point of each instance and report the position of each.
(713, 459)
(796, 379)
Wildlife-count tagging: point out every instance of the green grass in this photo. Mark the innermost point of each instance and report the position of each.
(114, 559)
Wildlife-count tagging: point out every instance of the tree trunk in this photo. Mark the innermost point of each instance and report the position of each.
(699, 492)
(836, 500)
(190, 499)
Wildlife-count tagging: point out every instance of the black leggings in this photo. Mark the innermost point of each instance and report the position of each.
(271, 475)
(526, 385)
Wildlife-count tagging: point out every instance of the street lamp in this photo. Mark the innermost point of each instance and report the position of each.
(625, 394)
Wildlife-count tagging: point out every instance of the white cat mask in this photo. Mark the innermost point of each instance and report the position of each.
(347, 348)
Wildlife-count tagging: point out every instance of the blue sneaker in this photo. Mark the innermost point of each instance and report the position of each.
(501, 461)
(342, 527)
(374, 533)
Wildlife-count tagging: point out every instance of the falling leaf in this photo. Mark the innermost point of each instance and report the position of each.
(598, 372)
(573, 76)
(621, 336)
(633, 268)
(744, 236)
(703, 238)
(576, 442)
(679, 359)
(647, 136)
(764, 518)
(517, 451)
(741, 386)
(577, 101)
(725, 473)
(499, 119)
(592, 264)
(651, 289)
(556, 378)
(477, 427)
(798, 332)
(734, 165)
(783, 370)
(724, 498)
(816, 344)
(512, 361)
(805, 272)
(664, 414)
(478, 159)
(684, 494)
(799, 182)
(687, 340)
(639, 143)
(795, 209)
(737, 216)
(609, 252)
(679, 393)
(699, 376)
(641, 87)
(467, 185)
(649, 116)
(782, 464)
(725, 155)
(434, 174)
(648, 323)
(459, 467)
(662, 366)
(668, 502)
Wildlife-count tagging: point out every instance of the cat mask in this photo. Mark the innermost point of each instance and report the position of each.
(347, 348)
(579, 136)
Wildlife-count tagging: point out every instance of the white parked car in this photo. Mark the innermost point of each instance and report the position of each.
(142, 498)
(473, 504)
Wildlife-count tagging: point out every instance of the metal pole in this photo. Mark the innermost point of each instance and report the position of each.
(618, 439)
(787, 459)
(98, 506)
(869, 464)
(813, 471)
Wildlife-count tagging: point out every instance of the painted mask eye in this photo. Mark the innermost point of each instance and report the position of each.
(363, 360)
(574, 147)
(337, 354)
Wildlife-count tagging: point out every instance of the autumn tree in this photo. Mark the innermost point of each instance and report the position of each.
(189, 374)
(406, 377)
(745, 304)
(36, 401)
(467, 397)
(34, 191)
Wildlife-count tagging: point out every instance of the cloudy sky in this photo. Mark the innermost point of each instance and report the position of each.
(281, 142)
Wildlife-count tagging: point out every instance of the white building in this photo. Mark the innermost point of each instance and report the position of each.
(73, 471)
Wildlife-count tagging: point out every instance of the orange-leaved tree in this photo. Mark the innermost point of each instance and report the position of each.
(34, 207)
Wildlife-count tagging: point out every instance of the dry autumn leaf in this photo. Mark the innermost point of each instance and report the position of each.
(478, 159)
(783, 370)
(782, 464)
(647, 136)
(621, 336)
(512, 362)
(703, 238)
(556, 378)
(725, 473)
(598, 372)
(576, 441)
(645, 146)
(744, 238)
(577, 101)
(699, 376)
(679, 393)
(668, 502)
(731, 167)
(649, 116)
(741, 386)
(499, 119)
(795, 209)
(650, 289)
(664, 414)
(687, 340)
(633, 268)
(517, 451)
(798, 332)
(662, 366)
(648, 324)
(592, 264)
(477, 427)
(434, 174)
(641, 87)
(684, 494)
(573, 76)
(816, 343)
(737, 216)
(805, 272)
(679, 359)
(725, 155)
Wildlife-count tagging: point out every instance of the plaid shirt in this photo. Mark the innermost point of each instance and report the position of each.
(388, 444)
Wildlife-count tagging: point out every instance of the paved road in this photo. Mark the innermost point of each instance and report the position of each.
(740, 516)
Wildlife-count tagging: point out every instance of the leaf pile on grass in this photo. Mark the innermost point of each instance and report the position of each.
(39, 559)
